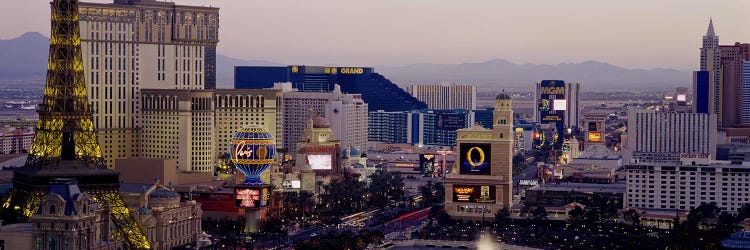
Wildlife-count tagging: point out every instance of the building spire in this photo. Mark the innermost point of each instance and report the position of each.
(710, 31)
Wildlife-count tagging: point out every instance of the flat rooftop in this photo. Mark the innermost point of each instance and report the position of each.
(618, 187)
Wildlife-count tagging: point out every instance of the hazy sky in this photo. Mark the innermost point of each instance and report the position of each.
(632, 33)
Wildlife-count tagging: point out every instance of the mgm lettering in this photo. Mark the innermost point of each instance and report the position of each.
(553, 90)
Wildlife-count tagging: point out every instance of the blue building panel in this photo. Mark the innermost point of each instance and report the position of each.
(702, 91)
(376, 90)
(258, 77)
(484, 117)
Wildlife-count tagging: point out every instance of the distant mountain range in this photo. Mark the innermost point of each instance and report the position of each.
(26, 57)
(498, 73)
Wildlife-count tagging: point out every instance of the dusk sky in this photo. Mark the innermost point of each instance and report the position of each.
(634, 34)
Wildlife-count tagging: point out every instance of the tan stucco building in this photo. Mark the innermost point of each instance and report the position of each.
(481, 181)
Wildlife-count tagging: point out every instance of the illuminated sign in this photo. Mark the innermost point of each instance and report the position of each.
(475, 158)
(403, 165)
(427, 163)
(251, 197)
(681, 97)
(552, 118)
(326, 150)
(560, 104)
(244, 151)
(352, 71)
(291, 184)
(319, 162)
(528, 182)
(594, 136)
(474, 193)
(552, 90)
(544, 105)
(519, 133)
(694, 156)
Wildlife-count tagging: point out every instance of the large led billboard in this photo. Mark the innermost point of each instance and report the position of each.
(427, 163)
(594, 136)
(475, 158)
(552, 103)
(474, 193)
(450, 121)
(319, 162)
(251, 197)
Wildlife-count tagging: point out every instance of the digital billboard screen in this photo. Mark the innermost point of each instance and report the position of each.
(594, 136)
(681, 97)
(474, 193)
(427, 163)
(251, 197)
(552, 102)
(475, 158)
(560, 105)
(450, 122)
(319, 162)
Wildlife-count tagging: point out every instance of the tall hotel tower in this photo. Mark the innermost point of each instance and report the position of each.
(711, 61)
(446, 95)
(136, 44)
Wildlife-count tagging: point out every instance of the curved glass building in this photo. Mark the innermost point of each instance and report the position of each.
(376, 90)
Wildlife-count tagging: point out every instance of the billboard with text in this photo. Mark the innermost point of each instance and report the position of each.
(474, 193)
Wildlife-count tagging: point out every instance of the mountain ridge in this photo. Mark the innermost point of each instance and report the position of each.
(26, 57)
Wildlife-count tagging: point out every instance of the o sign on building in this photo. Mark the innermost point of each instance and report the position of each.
(475, 158)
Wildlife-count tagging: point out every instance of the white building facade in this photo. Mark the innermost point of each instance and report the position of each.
(445, 95)
(17, 142)
(347, 114)
(660, 137)
(686, 185)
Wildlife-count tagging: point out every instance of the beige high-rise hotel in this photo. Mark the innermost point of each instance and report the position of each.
(131, 45)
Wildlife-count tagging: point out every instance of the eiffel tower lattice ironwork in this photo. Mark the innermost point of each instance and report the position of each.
(65, 144)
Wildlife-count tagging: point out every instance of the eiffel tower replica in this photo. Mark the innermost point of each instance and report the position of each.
(65, 144)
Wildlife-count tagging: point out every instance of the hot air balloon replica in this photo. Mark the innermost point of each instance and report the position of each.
(252, 149)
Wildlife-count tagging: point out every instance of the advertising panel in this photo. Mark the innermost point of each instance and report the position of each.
(451, 122)
(560, 105)
(427, 163)
(474, 193)
(251, 197)
(528, 182)
(222, 202)
(319, 162)
(552, 103)
(475, 158)
(594, 136)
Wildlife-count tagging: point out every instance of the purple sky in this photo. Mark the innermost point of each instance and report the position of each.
(635, 33)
